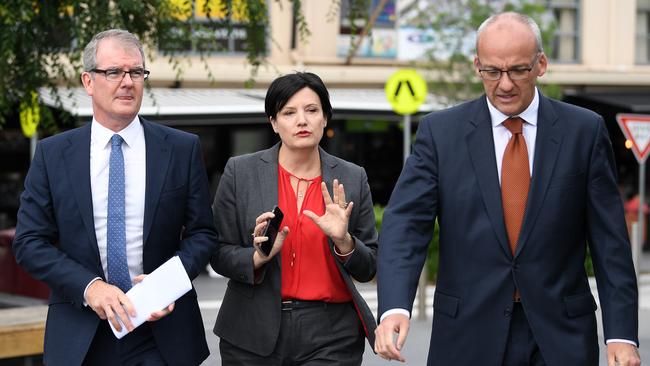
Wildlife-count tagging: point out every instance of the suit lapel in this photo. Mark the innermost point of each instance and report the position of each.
(547, 146)
(158, 155)
(77, 162)
(480, 144)
(267, 178)
(328, 165)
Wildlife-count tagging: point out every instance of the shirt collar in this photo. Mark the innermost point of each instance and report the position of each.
(102, 135)
(529, 114)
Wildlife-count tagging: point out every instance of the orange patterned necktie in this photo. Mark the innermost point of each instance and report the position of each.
(515, 180)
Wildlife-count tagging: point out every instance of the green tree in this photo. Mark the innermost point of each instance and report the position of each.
(453, 24)
(41, 42)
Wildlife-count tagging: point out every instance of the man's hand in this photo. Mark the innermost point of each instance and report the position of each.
(156, 315)
(385, 344)
(622, 354)
(109, 302)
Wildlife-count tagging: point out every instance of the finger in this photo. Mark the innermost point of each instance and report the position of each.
(326, 194)
(259, 228)
(348, 209)
(260, 239)
(611, 359)
(110, 315)
(127, 305)
(139, 278)
(311, 215)
(401, 335)
(264, 217)
(335, 191)
(120, 313)
(341, 190)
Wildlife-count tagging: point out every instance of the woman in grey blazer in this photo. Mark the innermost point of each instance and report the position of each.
(298, 304)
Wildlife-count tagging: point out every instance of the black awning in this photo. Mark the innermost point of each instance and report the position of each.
(636, 102)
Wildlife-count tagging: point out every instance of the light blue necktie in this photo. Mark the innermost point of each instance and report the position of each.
(118, 269)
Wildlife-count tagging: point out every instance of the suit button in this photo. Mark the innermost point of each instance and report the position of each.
(507, 312)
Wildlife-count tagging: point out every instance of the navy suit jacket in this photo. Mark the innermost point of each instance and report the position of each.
(55, 237)
(573, 204)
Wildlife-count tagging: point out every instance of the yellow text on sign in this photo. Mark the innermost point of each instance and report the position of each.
(406, 90)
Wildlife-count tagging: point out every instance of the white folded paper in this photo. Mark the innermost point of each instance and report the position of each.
(159, 289)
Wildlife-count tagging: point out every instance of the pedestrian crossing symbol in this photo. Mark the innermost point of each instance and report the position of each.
(406, 90)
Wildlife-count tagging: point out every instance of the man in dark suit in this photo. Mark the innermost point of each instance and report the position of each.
(105, 204)
(521, 186)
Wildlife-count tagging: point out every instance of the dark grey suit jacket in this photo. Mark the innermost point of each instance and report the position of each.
(250, 313)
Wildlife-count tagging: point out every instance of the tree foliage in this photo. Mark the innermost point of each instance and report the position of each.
(454, 24)
(42, 41)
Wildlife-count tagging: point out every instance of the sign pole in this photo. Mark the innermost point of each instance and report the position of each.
(641, 218)
(407, 136)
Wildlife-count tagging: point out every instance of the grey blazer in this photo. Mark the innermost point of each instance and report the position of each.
(250, 313)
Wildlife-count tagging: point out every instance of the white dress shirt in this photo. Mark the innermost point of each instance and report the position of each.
(134, 152)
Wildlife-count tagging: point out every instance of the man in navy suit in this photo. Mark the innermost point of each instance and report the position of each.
(511, 288)
(107, 203)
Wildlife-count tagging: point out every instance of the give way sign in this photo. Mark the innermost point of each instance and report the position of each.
(636, 128)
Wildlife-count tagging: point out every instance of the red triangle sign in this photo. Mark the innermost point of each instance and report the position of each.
(636, 128)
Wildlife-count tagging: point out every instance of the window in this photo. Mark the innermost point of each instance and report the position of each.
(381, 42)
(642, 32)
(566, 40)
(210, 32)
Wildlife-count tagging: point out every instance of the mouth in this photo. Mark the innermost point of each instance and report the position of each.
(303, 134)
(124, 98)
(506, 98)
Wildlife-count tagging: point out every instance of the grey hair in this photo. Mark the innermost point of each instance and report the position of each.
(521, 18)
(122, 36)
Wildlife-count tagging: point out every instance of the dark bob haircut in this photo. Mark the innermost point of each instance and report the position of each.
(284, 87)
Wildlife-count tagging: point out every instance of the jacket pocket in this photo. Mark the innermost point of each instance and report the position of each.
(580, 304)
(445, 304)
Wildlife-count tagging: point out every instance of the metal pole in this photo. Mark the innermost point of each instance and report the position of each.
(32, 146)
(641, 221)
(407, 136)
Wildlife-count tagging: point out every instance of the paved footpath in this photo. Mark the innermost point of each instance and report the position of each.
(211, 290)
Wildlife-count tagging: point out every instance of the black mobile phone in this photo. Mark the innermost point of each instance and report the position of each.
(271, 230)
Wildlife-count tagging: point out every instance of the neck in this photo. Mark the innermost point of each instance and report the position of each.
(301, 163)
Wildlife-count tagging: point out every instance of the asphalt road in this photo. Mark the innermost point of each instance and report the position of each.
(211, 290)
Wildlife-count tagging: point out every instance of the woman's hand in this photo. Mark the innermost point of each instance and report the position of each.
(259, 259)
(334, 222)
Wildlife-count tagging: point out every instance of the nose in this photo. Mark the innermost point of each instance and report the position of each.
(301, 118)
(126, 80)
(505, 83)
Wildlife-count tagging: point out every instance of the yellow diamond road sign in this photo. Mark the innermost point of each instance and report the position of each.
(406, 90)
(29, 115)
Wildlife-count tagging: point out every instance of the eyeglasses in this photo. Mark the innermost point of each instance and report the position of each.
(117, 75)
(519, 73)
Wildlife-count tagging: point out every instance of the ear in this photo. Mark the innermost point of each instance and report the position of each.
(273, 124)
(542, 64)
(477, 66)
(88, 82)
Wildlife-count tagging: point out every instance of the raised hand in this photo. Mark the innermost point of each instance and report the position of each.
(334, 221)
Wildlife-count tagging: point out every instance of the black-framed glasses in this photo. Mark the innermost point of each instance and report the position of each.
(117, 75)
(519, 73)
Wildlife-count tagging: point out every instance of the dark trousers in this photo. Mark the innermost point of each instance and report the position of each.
(137, 348)
(521, 349)
(329, 334)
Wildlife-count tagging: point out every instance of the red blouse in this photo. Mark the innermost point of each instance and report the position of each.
(308, 268)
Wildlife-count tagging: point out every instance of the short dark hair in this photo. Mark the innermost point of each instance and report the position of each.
(284, 87)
